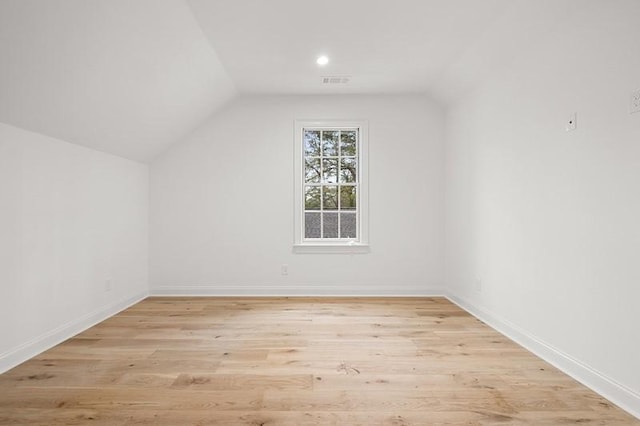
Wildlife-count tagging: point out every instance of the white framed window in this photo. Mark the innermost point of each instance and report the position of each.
(331, 187)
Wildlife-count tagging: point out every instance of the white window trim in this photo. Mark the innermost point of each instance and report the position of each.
(348, 247)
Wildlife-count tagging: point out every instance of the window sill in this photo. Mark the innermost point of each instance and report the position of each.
(331, 248)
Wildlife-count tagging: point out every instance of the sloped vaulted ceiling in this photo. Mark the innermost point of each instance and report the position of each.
(439, 48)
(128, 77)
(399, 46)
(131, 77)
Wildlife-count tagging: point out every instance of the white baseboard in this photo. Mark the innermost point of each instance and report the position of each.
(301, 290)
(615, 392)
(33, 347)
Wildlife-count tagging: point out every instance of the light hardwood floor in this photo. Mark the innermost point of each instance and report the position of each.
(295, 361)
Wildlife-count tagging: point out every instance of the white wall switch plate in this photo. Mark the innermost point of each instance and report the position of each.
(634, 104)
(572, 123)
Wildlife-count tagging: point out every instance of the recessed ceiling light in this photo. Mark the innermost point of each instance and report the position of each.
(322, 60)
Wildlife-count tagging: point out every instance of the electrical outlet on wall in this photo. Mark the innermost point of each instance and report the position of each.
(284, 269)
(572, 122)
(634, 104)
(107, 284)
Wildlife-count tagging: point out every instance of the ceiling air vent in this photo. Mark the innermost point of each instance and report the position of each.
(336, 79)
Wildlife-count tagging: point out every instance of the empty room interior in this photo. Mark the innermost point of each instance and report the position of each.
(347, 212)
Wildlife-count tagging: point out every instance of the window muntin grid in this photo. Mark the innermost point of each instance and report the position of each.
(331, 184)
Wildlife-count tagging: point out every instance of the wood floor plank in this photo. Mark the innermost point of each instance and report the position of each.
(295, 361)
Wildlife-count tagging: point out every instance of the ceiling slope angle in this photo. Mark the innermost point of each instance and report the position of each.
(119, 76)
(396, 47)
(439, 48)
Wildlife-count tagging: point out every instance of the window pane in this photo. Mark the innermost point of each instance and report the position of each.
(348, 142)
(312, 170)
(330, 143)
(312, 198)
(329, 170)
(348, 170)
(348, 197)
(312, 143)
(348, 225)
(312, 225)
(330, 197)
(330, 225)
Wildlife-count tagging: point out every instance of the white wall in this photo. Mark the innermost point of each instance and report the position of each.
(222, 202)
(549, 219)
(119, 76)
(70, 218)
